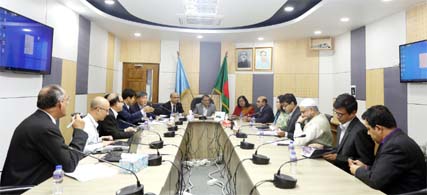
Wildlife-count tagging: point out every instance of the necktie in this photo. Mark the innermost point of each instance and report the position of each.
(173, 109)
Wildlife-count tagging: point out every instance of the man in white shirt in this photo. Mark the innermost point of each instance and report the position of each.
(99, 107)
(317, 129)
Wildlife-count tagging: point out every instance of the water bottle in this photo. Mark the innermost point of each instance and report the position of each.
(293, 159)
(58, 176)
(241, 118)
(252, 121)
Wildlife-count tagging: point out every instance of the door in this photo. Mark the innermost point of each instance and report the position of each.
(142, 77)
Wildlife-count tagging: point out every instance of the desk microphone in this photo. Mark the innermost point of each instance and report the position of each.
(137, 189)
(154, 144)
(260, 159)
(285, 181)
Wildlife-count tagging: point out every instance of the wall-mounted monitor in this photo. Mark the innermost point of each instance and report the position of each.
(413, 62)
(25, 44)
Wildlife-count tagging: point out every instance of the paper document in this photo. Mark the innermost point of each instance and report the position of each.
(272, 133)
(88, 172)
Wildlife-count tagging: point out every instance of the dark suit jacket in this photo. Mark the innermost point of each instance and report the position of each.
(37, 146)
(399, 166)
(290, 128)
(166, 108)
(264, 116)
(110, 126)
(127, 116)
(356, 144)
(135, 108)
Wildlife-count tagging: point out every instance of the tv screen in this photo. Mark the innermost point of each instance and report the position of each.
(25, 45)
(413, 62)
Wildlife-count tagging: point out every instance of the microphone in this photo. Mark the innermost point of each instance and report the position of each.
(285, 181)
(128, 190)
(154, 144)
(155, 159)
(260, 159)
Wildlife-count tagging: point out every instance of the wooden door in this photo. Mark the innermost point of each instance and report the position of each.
(142, 77)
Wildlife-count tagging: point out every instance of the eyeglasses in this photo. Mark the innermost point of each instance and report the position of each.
(106, 110)
(339, 114)
(66, 99)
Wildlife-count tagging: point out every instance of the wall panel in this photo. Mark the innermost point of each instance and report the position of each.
(374, 87)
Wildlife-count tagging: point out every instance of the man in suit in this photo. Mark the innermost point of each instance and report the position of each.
(126, 115)
(353, 139)
(205, 107)
(399, 165)
(289, 102)
(143, 106)
(263, 113)
(172, 106)
(37, 145)
(110, 125)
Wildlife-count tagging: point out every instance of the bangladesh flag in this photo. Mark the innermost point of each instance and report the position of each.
(221, 86)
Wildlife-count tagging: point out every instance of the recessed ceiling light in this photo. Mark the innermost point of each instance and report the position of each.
(137, 34)
(317, 32)
(109, 2)
(345, 19)
(386, 0)
(199, 36)
(260, 38)
(26, 30)
(289, 8)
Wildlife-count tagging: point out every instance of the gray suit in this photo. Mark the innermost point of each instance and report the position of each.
(199, 109)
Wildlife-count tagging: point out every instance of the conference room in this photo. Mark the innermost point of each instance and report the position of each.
(213, 97)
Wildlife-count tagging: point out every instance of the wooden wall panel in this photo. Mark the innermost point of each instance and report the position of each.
(416, 23)
(231, 60)
(110, 63)
(374, 87)
(296, 68)
(190, 56)
(68, 82)
(146, 51)
(244, 84)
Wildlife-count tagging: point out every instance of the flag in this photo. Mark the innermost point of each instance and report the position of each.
(181, 83)
(221, 86)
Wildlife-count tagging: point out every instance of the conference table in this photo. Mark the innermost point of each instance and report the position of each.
(208, 139)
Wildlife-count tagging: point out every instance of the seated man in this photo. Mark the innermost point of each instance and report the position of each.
(172, 106)
(37, 145)
(264, 113)
(99, 108)
(110, 125)
(125, 116)
(204, 108)
(399, 166)
(317, 129)
(352, 137)
(289, 102)
(142, 105)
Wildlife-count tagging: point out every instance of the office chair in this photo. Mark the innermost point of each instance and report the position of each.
(418, 192)
(15, 189)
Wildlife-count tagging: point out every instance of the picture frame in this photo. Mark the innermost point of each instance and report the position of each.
(244, 59)
(263, 58)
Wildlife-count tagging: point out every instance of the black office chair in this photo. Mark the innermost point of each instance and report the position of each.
(197, 100)
(418, 192)
(15, 189)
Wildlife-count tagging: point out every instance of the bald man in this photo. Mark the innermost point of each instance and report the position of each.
(264, 112)
(99, 109)
(172, 106)
(110, 125)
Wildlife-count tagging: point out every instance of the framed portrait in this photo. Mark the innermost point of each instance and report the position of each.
(263, 58)
(244, 58)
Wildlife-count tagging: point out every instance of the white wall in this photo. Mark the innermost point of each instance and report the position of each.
(167, 72)
(326, 78)
(417, 109)
(118, 68)
(97, 59)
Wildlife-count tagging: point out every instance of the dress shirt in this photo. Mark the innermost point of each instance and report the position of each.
(343, 128)
(93, 141)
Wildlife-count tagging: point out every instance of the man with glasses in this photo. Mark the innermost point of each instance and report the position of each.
(110, 125)
(289, 103)
(37, 145)
(99, 108)
(204, 108)
(317, 130)
(353, 140)
(172, 106)
(142, 106)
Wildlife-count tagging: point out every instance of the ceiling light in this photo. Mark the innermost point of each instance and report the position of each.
(345, 19)
(289, 8)
(26, 30)
(260, 38)
(137, 34)
(199, 36)
(109, 2)
(386, 0)
(317, 32)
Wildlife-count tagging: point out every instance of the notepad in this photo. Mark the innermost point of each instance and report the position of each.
(88, 172)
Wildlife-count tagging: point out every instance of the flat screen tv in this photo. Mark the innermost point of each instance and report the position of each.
(413, 62)
(25, 45)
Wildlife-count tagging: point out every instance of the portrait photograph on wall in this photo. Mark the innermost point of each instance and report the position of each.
(263, 58)
(244, 58)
